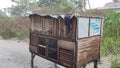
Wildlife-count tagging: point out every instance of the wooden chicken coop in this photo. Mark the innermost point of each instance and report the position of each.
(68, 40)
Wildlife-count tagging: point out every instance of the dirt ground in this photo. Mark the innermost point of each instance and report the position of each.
(15, 54)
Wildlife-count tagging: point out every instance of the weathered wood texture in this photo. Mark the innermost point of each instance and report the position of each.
(62, 29)
(66, 44)
(33, 49)
(66, 57)
(88, 49)
(44, 25)
(54, 27)
(48, 39)
(33, 43)
(33, 39)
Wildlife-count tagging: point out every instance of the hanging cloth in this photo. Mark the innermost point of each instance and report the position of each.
(67, 23)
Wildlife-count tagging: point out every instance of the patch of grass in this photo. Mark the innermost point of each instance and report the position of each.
(115, 61)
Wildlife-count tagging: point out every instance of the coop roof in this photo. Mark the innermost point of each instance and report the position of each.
(63, 16)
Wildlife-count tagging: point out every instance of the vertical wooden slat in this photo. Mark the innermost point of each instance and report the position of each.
(101, 26)
(64, 32)
(54, 27)
(46, 53)
(89, 28)
(59, 27)
(73, 28)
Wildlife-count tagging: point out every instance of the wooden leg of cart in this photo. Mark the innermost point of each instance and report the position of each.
(80, 66)
(99, 61)
(32, 60)
(84, 66)
(55, 65)
(95, 64)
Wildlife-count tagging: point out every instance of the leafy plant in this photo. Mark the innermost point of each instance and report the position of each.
(111, 37)
(11, 27)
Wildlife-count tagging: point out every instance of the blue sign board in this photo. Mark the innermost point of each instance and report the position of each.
(95, 26)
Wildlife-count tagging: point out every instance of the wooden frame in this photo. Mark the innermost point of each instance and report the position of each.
(68, 50)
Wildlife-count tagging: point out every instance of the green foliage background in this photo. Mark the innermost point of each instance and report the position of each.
(24, 7)
(111, 37)
(14, 27)
(17, 24)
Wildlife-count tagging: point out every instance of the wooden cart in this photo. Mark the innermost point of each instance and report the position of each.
(68, 40)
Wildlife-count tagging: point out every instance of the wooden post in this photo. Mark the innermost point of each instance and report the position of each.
(99, 61)
(95, 64)
(55, 65)
(80, 66)
(32, 60)
(84, 66)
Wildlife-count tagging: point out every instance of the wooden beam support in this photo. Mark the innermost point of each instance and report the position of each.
(32, 60)
(95, 64)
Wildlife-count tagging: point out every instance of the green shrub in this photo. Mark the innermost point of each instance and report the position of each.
(115, 61)
(111, 38)
(14, 27)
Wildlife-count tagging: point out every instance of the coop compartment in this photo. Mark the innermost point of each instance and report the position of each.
(52, 54)
(52, 48)
(52, 43)
(42, 41)
(66, 57)
(41, 51)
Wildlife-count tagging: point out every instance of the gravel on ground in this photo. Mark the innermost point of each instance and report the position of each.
(15, 54)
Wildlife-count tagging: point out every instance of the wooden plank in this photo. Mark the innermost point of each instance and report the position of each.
(66, 44)
(66, 57)
(88, 49)
(33, 39)
(33, 49)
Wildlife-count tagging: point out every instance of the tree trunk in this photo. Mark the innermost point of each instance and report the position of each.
(89, 4)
